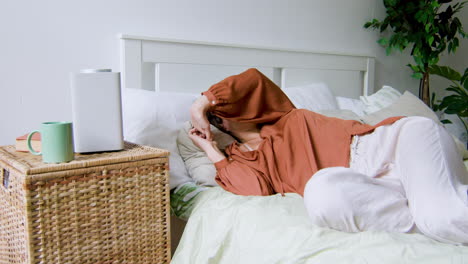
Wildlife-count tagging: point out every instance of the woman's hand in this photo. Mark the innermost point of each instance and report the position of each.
(200, 140)
(198, 116)
(210, 147)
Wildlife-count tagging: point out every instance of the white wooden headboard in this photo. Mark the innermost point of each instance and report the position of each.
(192, 66)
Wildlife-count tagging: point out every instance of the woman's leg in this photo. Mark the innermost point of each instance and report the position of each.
(346, 200)
(409, 171)
(434, 178)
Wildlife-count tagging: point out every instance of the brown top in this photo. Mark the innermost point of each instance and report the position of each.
(296, 142)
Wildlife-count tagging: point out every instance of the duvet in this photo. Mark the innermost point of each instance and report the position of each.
(227, 228)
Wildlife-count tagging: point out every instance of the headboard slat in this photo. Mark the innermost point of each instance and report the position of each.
(140, 54)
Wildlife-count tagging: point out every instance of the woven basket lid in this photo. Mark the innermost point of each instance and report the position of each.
(30, 164)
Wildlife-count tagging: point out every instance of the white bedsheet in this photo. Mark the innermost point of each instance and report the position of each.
(226, 228)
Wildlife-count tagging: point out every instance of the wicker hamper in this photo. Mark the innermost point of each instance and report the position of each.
(99, 208)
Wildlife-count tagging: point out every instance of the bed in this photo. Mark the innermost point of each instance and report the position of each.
(161, 78)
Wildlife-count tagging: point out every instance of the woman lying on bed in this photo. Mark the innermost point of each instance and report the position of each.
(402, 175)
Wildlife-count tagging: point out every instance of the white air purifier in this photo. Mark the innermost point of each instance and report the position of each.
(97, 111)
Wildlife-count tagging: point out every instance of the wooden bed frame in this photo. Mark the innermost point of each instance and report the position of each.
(192, 66)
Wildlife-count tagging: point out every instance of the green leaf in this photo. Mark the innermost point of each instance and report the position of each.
(457, 22)
(449, 11)
(388, 50)
(383, 41)
(465, 85)
(383, 26)
(445, 71)
(464, 78)
(430, 40)
(453, 30)
(434, 105)
(433, 61)
(417, 75)
(450, 111)
(444, 1)
(420, 16)
(418, 60)
(446, 121)
(427, 27)
(455, 89)
(374, 23)
(413, 67)
(390, 3)
(455, 102)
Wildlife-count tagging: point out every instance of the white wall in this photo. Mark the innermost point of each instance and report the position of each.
(42, 41)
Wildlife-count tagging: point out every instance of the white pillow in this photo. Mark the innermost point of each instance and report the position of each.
(410, 105)
(407, 105)
(380, 99)
(154, 119)
(312, 97)
(340, 113)
(355, 105)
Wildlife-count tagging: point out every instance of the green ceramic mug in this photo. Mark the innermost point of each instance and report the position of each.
(56, 142)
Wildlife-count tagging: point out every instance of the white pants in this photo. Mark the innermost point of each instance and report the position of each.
(404, 177)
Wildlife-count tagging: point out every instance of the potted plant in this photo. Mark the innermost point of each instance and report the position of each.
(429, 27)
(455, 103)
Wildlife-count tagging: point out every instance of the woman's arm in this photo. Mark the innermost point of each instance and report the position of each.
(240, 179)
(232, 176)
(248, 97)
(198, 115)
